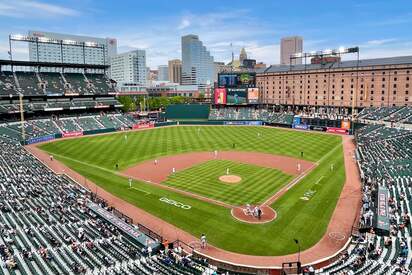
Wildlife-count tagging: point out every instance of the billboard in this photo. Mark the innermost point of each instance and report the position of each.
(345, 124)
(236, 96)
(237, 80)
(220, 96)
(253, 95)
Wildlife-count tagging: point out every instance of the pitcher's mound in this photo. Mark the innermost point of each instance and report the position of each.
(230, 179)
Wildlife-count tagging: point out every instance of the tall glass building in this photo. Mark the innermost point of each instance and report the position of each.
(197, 64)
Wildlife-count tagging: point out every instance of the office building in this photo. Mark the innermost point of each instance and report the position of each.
(289, 46)
(376, 82)
(130, 67)
(197, 64)
(66, 53)
(163, 73)
(175, 70)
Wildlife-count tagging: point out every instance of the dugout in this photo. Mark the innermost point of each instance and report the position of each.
(188, 111)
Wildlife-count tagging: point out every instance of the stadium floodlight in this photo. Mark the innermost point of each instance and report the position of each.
(327, 51)
(342, 49)
(69, 42)
(17, 37)
(44, 39)
(90, 44)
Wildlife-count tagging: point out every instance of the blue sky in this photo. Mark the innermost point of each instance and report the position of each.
(379, 27)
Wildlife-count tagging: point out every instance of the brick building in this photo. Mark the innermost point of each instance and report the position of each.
(376, 82)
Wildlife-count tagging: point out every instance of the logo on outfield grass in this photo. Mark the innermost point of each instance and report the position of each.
(308, 195)
(175, 203)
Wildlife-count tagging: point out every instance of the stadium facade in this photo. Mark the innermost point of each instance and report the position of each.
(47, 52)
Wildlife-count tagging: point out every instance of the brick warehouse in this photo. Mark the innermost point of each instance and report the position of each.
(379, 82)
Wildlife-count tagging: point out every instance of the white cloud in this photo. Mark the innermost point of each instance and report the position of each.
(30, 9)
(184, 24)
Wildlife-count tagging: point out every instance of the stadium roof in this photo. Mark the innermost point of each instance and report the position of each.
(5, 62)
(398, 60)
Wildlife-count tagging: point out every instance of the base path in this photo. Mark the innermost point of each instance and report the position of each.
(343, 217)
(158, 170)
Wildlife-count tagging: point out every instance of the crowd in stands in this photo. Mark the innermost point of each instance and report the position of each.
(389, 114)
(244, 113)
(47, 228)
(43, 127)
(43, 83)
(385, 158)
(13, 106)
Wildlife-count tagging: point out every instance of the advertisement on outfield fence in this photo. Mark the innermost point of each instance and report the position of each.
(252, 123)
(345, 124)
(72, 134)
(337, 130)
(40, 139)
(220, 96)
(253, 95)
(301, 126)
(143, 125)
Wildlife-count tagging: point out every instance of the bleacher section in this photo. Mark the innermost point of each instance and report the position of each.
(7, 84)
(77, 83)
(100, 83)
(53, 83)
(44, 127)
(29, 83)
(47, 228)
(381, 113)
(232, 113)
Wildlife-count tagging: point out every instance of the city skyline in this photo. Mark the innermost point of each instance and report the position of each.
(256, 27)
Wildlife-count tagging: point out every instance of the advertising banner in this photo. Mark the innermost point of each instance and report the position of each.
(72, 134)
(236, 96)
(300, 126)
(382, 211)
(253, 95)
(337, 130)
(220, 96)
(296, 120)
(251, 123)
(40, 139)
(143, 125)
(345, 124)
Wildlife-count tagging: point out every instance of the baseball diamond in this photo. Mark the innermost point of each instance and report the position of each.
(197, 185)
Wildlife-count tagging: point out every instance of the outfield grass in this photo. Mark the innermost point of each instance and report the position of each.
(95, 157)
(257, 184)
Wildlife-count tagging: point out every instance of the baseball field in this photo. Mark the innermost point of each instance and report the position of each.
(175, 174)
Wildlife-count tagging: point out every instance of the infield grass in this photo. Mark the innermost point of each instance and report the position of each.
(95, 157)
(257, 184)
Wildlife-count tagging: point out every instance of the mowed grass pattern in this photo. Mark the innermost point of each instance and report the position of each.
(257, 184)
(107, 150)
(95, 157)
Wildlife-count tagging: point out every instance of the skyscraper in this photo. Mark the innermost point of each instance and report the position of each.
(175, 70)
(44, 52)
(289, 46)
(163, 73)
(197, 63)
(130, 67)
